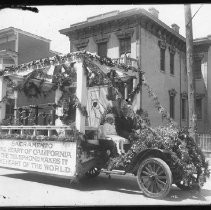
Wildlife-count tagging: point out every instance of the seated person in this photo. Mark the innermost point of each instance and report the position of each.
(60, 131)
(109, 133)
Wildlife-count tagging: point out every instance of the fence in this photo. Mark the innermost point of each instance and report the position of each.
(204, 142)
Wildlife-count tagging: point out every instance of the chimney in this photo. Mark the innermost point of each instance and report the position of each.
(175, 27)
(154, 12)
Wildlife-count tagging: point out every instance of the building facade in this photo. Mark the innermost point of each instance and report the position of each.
(158, 48)
(18, 47)
(202, 80)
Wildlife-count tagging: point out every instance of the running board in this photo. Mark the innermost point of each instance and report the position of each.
(119, 172)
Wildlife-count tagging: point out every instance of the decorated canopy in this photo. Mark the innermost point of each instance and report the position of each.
(49, 68)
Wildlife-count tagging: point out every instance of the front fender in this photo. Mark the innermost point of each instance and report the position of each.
(155, 152)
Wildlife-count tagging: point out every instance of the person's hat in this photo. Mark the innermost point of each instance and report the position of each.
(109, 116)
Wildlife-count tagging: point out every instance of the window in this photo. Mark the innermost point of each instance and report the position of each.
(197, 69)
(172, 63)
(10, 109)
(172, 106)
(199, 108)
(102, 49)
(125, 45)
(184, 109)
(122, 89)
(129, 86)
(162, 59)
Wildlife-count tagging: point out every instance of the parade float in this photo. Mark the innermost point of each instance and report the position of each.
(59, 104)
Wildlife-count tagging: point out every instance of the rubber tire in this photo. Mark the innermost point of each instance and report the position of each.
(168, 174)
(93, 175)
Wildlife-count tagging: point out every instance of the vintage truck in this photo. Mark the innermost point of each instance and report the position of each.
(79, 152)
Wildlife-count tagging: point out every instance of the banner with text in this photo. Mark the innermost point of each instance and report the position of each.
(49, 157)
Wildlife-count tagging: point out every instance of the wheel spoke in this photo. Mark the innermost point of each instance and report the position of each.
(159, 186)
(161, 182)
(156, 186)
(153, 167)
(150, 167)
(158, 168)
(146, 173)
(151, 187)
(161, 177)
(148, 170)
(159, 171)
(147, 183)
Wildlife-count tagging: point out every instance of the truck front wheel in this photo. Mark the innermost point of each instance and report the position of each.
(154, 177)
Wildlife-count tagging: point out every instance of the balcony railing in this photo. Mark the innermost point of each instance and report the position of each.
(35, 129)
(126, 60)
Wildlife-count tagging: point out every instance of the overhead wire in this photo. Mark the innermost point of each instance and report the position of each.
(194, 14)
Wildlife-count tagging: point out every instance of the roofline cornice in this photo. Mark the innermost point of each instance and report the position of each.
(12, 29)
(139, 12)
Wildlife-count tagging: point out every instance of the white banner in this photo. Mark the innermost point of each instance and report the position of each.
(51, 157)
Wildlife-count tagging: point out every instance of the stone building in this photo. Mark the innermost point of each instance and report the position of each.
(158, 49)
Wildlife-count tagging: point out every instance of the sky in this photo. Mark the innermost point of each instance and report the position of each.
(51, 19)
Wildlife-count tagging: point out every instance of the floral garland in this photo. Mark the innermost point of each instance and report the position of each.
(68, 77)
(59, 81)
(186, 157)
(63, 59)
(4, 99)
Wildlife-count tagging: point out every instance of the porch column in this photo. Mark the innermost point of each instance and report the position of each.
(134, 83)
(58, 95)
(16, 105)
(3, 87)
(126, 91)
(16, 102)
(81, 93)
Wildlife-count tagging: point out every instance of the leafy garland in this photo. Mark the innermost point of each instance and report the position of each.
(66, 78)
(64, 59)
(157, 104)
(187, 157)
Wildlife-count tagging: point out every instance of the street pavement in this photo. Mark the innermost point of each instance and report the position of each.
(25, 189)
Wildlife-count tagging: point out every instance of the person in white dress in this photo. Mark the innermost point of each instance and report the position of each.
(109, 133)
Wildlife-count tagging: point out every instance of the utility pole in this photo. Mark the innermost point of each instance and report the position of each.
(189, 62)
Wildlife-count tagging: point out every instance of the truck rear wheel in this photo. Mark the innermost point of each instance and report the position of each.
(93, 172)
(154, 178)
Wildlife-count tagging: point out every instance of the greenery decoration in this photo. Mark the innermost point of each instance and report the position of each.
(187, 158)
(65, 75)
(157, 104)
